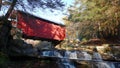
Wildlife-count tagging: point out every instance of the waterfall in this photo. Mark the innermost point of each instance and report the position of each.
(97, 56)
(65, 62)
(100, 63)
(87, 56)
(57, 54)
(84, 56)
(104, 65)
(73, 55)
(111, 64)
(70, 54)
(66, 54)
(65, 59)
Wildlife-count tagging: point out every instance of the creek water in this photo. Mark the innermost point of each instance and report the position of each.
(94, 60)
(99, 63)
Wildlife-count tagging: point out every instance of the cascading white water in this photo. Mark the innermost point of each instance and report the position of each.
(100, 63)
(97, 56)
(66, 54)
(83, 55)
(110, 64)
(57, 54)
(87, 56)
(73, 55)
(66, 59)
(104, 65)
(67, 63)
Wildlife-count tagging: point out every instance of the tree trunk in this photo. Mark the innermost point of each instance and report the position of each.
(5, 26)
(0, 4)
(10, 9)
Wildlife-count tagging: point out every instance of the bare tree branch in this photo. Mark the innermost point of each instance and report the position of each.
(10, 9)
(52, 4)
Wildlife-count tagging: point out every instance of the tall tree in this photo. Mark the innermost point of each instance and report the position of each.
(98, 18)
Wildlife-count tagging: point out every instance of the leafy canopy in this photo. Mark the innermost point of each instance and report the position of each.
(99, 18)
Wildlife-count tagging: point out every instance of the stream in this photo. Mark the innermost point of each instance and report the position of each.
(65, 59)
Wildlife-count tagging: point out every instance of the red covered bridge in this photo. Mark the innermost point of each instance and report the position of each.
(38, 28)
